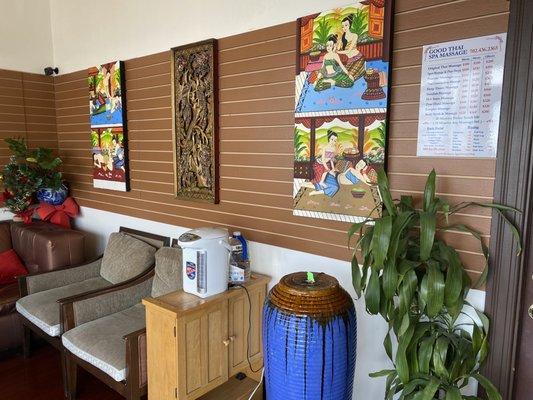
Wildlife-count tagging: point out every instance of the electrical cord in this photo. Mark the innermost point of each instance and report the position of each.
(249, 326)
(258, 385)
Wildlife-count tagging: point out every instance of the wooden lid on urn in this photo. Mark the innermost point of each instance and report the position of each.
(320, 299)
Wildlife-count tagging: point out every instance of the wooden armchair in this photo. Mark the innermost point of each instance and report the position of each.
(105, 333)
(129, 257)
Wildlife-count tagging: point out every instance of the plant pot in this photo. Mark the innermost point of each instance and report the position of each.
(358, 194)
(52, 196)
(315, 56)
(309, 339)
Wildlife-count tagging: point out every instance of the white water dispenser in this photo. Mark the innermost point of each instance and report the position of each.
(205, 261)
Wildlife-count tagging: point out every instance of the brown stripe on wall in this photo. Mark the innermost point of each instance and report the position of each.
(256, 130)
(27, 110)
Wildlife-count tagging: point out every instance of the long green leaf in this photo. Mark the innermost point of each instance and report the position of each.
(500, 210)
(356, 227)
(431, 388)
(407, 291)
(484, 248)
(383, 372)
(372, 293)
(435, 299)
(388, 385)
(387, 344)
(400, 229)
(423, 294)
(490, 389)
(454, 277)
(440, 352)
(453, 393)
(356, 276)
(390, 279)
(425, 354)
(384, 191)
(429, 191)
(428, 226)
(381, 240)
(402, 367)
(404, 325)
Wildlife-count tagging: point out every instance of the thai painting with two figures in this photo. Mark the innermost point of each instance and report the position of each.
(341, 111)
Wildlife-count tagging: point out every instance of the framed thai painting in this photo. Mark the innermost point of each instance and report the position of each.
(195, 121)
(108, 126)
(341, 108)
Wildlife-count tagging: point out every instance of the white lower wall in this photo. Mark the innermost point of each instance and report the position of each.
(275, 262)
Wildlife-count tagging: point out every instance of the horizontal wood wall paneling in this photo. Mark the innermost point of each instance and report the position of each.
(257, 133)
(11, 92)
(262, 63)
(464, 28)
(256, 77)
(14, 101)
(11, 85)
(144, 61)
(268, 90)
(469, 9)
(258, 49)
(8, 74)
(459, 167)
(28, 110)
(251, 38)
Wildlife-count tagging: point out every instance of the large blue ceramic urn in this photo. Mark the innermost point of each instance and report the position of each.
(309, 339)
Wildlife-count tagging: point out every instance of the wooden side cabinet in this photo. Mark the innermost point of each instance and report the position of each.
(194, 345)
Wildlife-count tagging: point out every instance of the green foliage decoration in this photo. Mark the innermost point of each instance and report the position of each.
(359, 22)
(418, 284)
(322, 33)
(26, 172)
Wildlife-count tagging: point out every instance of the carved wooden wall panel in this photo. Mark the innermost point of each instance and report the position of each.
(195, 110)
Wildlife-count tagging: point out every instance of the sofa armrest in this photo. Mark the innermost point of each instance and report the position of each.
(43, 246)
(77, 310)
(41, 281)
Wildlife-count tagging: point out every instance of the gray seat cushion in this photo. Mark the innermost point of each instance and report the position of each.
(100, 342)
(125, 257)
(42, 308)
(168, 277)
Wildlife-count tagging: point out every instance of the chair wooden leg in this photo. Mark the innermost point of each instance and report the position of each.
(26, 341)
(71, 376)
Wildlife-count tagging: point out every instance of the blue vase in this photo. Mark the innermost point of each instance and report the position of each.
(52, 196)
(309, 339)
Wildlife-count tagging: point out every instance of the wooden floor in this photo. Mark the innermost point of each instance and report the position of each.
(39, 378)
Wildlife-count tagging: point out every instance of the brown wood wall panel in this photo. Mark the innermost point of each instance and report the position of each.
(27, 110)
(256, 119)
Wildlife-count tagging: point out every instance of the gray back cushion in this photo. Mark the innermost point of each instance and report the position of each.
(168, 276)
(125, 257)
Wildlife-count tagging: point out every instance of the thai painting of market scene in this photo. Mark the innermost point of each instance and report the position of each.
(108, 136)
(340, 111)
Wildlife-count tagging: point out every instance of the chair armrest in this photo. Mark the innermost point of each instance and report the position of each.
(134, 335)
(40, 281)
(136, 358)
(77, 310)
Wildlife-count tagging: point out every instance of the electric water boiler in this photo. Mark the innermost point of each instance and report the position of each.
(206, 254)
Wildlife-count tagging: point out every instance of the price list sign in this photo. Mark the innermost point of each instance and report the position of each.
(460, 97)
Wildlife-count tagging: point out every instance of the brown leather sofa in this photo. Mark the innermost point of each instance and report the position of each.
(42, 247)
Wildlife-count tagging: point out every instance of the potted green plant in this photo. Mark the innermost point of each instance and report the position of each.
(42, 166)
(30, 172)
(418, 284)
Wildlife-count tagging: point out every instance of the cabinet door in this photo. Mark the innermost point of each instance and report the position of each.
(239, 316)
(202, 351)
(161, 352)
